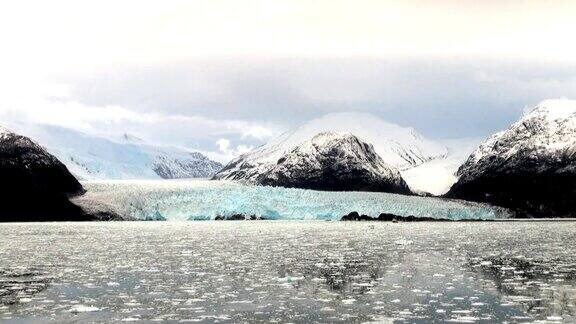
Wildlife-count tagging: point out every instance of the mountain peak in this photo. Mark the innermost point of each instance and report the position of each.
(553, 109)
(326, 136)
(335, 161)
(549, 127)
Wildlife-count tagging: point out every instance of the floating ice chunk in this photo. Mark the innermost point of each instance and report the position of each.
(130, 319)
(464, 319)
(83, 309)
(289, 279)
(554, 318)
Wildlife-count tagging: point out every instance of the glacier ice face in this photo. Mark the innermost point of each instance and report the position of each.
(180, 200)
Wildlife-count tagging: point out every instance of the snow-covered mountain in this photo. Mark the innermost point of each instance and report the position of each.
(337, 162)
(400, 147)
(530, 167)
(92, 157)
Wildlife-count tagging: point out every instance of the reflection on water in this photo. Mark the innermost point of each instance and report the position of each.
(287, 271)
(346, 275)
(542, 288)
(19, 284)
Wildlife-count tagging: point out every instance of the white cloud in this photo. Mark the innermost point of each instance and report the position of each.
(223, 145)
(168, 69)
(72, 34)
(258, 132)
(225, 148)
(52, 104)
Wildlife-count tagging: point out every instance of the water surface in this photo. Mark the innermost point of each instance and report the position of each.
(288, 271)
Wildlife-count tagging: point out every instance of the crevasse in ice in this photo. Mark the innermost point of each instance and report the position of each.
(203, 199)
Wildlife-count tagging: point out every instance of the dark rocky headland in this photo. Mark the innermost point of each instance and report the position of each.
(36, 186)
(529, 168)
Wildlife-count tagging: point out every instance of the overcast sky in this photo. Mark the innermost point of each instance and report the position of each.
(203, 73)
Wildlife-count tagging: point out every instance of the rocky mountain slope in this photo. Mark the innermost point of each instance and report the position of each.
(92, 157)
(400, 147)
(35, 185)
(332, 161)
(530, 167)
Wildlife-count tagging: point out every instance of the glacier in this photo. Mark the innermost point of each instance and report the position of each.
(95, 157)
(181, 200)
(436, 176)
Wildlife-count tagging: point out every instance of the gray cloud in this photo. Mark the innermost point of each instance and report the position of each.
(440, 98)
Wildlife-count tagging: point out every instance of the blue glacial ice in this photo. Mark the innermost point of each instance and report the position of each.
(180, 200)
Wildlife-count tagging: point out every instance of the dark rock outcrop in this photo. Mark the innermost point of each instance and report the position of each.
(385, 217)
(529, 168)
(239, 217)
(354, 216)
(35, 186)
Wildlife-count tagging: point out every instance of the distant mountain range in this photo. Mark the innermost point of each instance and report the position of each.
(91, 157)
(425, 165)
(529, 167)
(402, 148)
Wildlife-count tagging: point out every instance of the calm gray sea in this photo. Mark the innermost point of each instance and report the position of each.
(288, 271)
